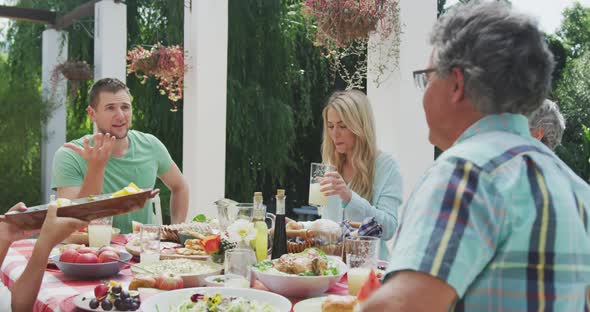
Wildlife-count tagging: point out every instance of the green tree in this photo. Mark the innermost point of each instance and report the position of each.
(277, 83)
(575, 30)
(22, 115)
(572, 92)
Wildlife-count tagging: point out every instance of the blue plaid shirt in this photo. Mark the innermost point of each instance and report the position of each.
(502, 220)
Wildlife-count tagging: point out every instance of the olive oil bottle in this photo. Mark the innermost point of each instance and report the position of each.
(261, 240)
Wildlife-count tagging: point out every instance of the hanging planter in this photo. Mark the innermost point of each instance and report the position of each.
(166, 64)
(341, 28)
(75, 72)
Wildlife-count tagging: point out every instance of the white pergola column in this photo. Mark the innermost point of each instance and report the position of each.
(205, 103)
(401, 124)
(54, 52)
(110, 40)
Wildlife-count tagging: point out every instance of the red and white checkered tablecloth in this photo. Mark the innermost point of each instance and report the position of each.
(58, 291)
(56, 288)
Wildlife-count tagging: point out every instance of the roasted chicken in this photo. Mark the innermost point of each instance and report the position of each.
(304, 262)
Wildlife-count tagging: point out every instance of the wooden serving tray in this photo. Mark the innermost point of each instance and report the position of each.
(84, 209)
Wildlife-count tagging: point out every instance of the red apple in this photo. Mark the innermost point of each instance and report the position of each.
(84, 250)
(169, 281)
(69, 255)
(87, 258)
(106, 256)
(107, 248)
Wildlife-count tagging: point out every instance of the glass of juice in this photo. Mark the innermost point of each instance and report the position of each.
(100, 231)
(238, 267)
(361, 257)
(316, 197)
(150, 243)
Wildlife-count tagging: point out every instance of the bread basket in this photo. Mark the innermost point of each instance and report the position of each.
(329, 242)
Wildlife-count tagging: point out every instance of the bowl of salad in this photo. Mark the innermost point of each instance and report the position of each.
(305, 274)
(204, 299)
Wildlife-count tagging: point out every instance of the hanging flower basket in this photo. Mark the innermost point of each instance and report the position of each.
(166, 64)
(341, 28)
(344, 21)
(75, 72)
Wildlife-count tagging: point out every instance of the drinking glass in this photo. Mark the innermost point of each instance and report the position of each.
(238, 267)
(316, 197)
(243, 211)
(150, 243)
(361, 257)
(100, 231)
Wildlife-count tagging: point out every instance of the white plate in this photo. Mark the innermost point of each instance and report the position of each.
(309, 305)
(301, 286)
(83, 304)
(167, 301)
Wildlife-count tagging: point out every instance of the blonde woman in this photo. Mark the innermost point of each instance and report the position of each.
(367, 181)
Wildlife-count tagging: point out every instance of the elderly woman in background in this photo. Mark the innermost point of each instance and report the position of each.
(367, 181)
(547, 124)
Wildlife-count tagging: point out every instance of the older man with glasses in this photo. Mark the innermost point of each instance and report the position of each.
(498, 223)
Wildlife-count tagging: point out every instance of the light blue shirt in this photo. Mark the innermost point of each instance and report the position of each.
(387, 197)
(502, 220)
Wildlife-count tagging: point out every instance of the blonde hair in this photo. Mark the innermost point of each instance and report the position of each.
(355, 112)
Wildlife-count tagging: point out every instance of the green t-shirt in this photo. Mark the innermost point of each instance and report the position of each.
(146, 159)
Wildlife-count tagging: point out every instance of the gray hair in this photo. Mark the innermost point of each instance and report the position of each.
(551, 121)
(505, 60)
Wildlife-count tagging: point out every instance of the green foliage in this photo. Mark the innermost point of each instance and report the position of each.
(575, 30)
(277, 85)
(573, 95)
(559, 55)
(22, 114)
(571, 49)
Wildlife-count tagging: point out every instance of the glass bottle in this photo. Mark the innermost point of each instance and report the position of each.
(279, 242)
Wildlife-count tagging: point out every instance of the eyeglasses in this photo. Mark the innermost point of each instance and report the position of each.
(421, 78)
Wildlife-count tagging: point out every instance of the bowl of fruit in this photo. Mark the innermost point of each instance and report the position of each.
(109, 296)
(90, 263)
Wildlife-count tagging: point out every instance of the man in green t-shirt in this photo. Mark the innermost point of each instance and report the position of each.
(116, 156)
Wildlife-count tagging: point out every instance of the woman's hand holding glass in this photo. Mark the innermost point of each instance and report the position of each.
(334, 184)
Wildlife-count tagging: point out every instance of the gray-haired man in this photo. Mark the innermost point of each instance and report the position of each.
(498, 223)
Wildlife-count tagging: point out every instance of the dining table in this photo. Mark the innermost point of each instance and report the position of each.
(58, 291)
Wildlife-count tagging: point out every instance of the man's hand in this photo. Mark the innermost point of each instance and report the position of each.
(55, 229)
(333, 184)
(9, 232)
(97, 155)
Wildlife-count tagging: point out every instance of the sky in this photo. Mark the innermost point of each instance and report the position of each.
(547, 12)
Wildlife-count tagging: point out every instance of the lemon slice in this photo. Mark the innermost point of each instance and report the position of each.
(128, 190)
(133, 186)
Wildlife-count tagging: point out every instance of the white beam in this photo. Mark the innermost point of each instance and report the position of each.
(110, 40)
(54, 52)
(205, 103)
(401, 125)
